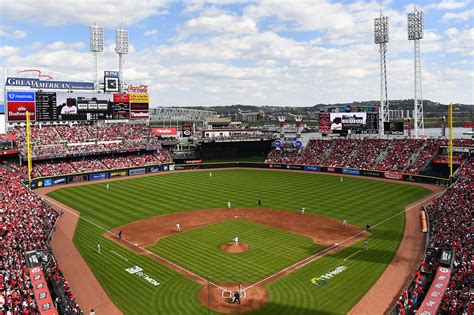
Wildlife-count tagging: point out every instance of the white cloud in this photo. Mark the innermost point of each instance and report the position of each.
(219, 22)
(151, 32)
(17, 34)
(463, 16)
(108, 13)
(6, 51)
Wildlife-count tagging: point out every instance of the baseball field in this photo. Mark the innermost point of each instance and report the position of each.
(289, 265)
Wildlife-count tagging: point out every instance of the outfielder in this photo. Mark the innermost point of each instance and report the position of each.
(302, 210)
(98, 248)
(229, 205)
(341, 180)
(366, 245)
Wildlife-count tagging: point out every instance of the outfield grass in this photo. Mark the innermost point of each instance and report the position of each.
(358, 200)
(271, 250)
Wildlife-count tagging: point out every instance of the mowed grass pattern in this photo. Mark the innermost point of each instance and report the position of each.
(358, 200)
(270, 251)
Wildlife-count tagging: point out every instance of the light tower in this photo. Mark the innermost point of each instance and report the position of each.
(298, 120)
(121, 48)
(96, 37)
(381, 38)
(415, 33)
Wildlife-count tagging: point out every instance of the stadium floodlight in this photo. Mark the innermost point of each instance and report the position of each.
(96, 37)
(381, 39)
(415, 33)
(121, 48)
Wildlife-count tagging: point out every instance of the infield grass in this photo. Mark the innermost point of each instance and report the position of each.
(270, 251)
(358, 200)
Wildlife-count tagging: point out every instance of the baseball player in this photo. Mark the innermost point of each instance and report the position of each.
(341, 180)
(344, 223)
(98, 248)
(229, 205)
(210, 174)
(366, 245)
(236, 240)
(302, 210)
(107, 187)
(120, 234)
(178, 227)
(259, 202)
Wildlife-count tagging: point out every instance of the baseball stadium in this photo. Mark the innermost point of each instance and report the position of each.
(111, 205)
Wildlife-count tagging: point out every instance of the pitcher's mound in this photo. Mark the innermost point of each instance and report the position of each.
(232, 248)
(221, 302)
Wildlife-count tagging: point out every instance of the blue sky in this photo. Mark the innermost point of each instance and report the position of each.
(294, 53)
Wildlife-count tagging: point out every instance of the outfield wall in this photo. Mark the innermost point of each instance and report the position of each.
(102, 175)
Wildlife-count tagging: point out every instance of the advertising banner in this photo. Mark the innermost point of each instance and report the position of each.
(137, 171)
(331, 170)
(48, 182)
(435, 294)
(59, 181)
(371, 173)
(98, 176)
(350, 171)
(113, 74)
(17, 111)
(118, 173)
(139, 106)
(164, 131)
(139, 98)
(42, 295)
(312, 168)
(135, 88)
(294, 167)
(121, 98)
(324, 123)
(38, 84)
(393, 175)
(153, 169)
(77, 178)
(139, 114)
(20, 96)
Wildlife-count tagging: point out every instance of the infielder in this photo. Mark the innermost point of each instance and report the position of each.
(178, 227)
(229, 205)
(236, 240)
(302, 210)
(344, 222)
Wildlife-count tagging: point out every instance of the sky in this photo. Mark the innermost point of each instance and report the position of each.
(269, 52)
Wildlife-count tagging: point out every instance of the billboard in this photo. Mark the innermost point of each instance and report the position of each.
(37, 84)
(77, 106)
(393, 128)
(164, 131)
(18, 103)
(139, 114)
(139, 98)
(111, 84)
(355, 122)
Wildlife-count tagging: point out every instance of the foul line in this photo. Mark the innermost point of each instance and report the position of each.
(353, 254)
(326, 251)
(124, 258)
(59, 205)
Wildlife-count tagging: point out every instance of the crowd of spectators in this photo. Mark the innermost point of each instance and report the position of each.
(63, 140)
(96, 163)
(26, 222)
(400, 155)
(450, 220)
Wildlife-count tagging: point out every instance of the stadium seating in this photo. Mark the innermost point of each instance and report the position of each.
(450, 219)
(26, 223)
(63, 140)
(397, 155)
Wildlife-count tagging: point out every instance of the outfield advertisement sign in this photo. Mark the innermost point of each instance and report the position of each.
(98, 176)
(137, 171)
(118, 173)
(60, 181)
(371, 173)
(153, 169)
(350, 171)
(393, 175)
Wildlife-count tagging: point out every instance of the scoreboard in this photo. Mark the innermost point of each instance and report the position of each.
(46, 106)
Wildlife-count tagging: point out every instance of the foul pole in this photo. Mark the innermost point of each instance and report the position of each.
(450, 140)
(28, 145)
